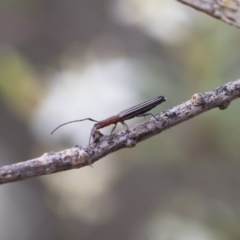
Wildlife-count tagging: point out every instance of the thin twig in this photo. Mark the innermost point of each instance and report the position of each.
(80, 156)
(226, 10)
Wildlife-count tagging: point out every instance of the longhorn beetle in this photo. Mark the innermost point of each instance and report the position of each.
(139, 110)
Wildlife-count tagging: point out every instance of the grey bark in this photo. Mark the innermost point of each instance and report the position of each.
(226, 10)
(80, 156)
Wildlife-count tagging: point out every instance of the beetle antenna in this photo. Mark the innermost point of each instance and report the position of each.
(80, 120)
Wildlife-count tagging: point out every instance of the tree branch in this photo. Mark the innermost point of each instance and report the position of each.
(80, 156)
(226, 10)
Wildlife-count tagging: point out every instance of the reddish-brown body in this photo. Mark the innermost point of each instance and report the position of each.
(139, 110)
(106, 122)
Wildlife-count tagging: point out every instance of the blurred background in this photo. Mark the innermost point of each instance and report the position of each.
(65, 60)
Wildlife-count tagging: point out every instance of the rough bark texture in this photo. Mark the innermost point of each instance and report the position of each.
(226, 10)
(80, 156)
